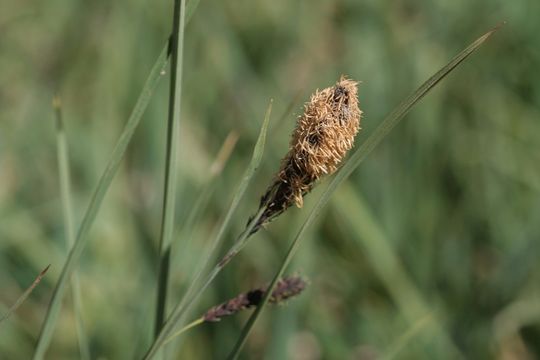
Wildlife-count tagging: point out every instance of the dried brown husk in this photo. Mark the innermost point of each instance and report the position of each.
(285, 289)
(323, 135)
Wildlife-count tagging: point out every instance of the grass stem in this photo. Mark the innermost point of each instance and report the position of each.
(184, 329)
(100, 191)
(391, 120)
(25, 295)
(69, 225)
(195, 290)
(173, 132)
(53, 311)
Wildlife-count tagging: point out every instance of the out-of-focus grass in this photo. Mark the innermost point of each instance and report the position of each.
(454, 190)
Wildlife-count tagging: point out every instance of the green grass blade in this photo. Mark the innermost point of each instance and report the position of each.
(156, 73)
(207, 189)
(23, 297)
(181, 310)
(170, 187)
(191, 6)
(385, 262)
(69, 227)
(97, 198)
(354, 161)
(252, 168)
(421, 325)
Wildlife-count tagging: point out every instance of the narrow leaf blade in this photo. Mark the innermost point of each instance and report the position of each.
(95, 203)
(69, 224)
(354, 161)
(25, 295)
(171, 167)
(181, 310)
(158, 70)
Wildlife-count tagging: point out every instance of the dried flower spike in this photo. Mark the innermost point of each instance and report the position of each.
(324, 134)
(285, 289)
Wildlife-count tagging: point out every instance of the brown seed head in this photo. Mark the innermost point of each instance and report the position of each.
(285, 289)
(323, 135)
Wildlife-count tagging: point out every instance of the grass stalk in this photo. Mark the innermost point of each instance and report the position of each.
(198, 285)
(103, 185)
(204, 196)
(412, 333)
(69, 225)
(179, 315)
(24, 295)
(170, 187)
(392, 119)
(384, 260)
(184, 329)
(156, 73)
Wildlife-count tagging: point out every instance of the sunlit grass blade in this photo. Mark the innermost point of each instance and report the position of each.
(223, 154)
(23, 297)
(209, 183)
(205, 194)
(191, 6)
(353, 162)
(385, 262)
(170, 186)
(69, 225)
(189, 326)
(158, 70)
(97, 198)
(510, 321)
(419, 326)
(181, 310)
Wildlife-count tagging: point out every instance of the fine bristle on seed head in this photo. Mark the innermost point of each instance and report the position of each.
(326, 130)
(286, 288)
(323, 135)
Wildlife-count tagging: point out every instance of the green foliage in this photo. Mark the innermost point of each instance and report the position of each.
(435, 233)
(393, 118)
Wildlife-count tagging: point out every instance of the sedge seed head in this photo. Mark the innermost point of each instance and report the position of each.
(323, 135)
(286, 288)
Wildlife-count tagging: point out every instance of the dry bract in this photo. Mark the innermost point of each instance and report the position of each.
(285, 289)
(324, 134)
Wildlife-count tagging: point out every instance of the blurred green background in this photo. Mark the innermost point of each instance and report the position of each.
(430, 250)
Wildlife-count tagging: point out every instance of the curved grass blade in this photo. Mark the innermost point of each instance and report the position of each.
(209, 186)
(385, 262)
(354, 161)
(191, 6)
(97, 198)
(158, 70)
(69, 229)
(23, 297)
(419, 326)
(205, 193)
(181, 310)
(170, 186)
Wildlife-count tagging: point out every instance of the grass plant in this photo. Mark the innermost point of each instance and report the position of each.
(426, 250)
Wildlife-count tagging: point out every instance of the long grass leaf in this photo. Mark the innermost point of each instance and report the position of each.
(69, 225)
(385, 262)
(158, 70)
(205, 193)
(354, 161)
(170, 187)
(421, 325)
(95, 203)
(181, 310)
(191, 6)
(23, 297)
